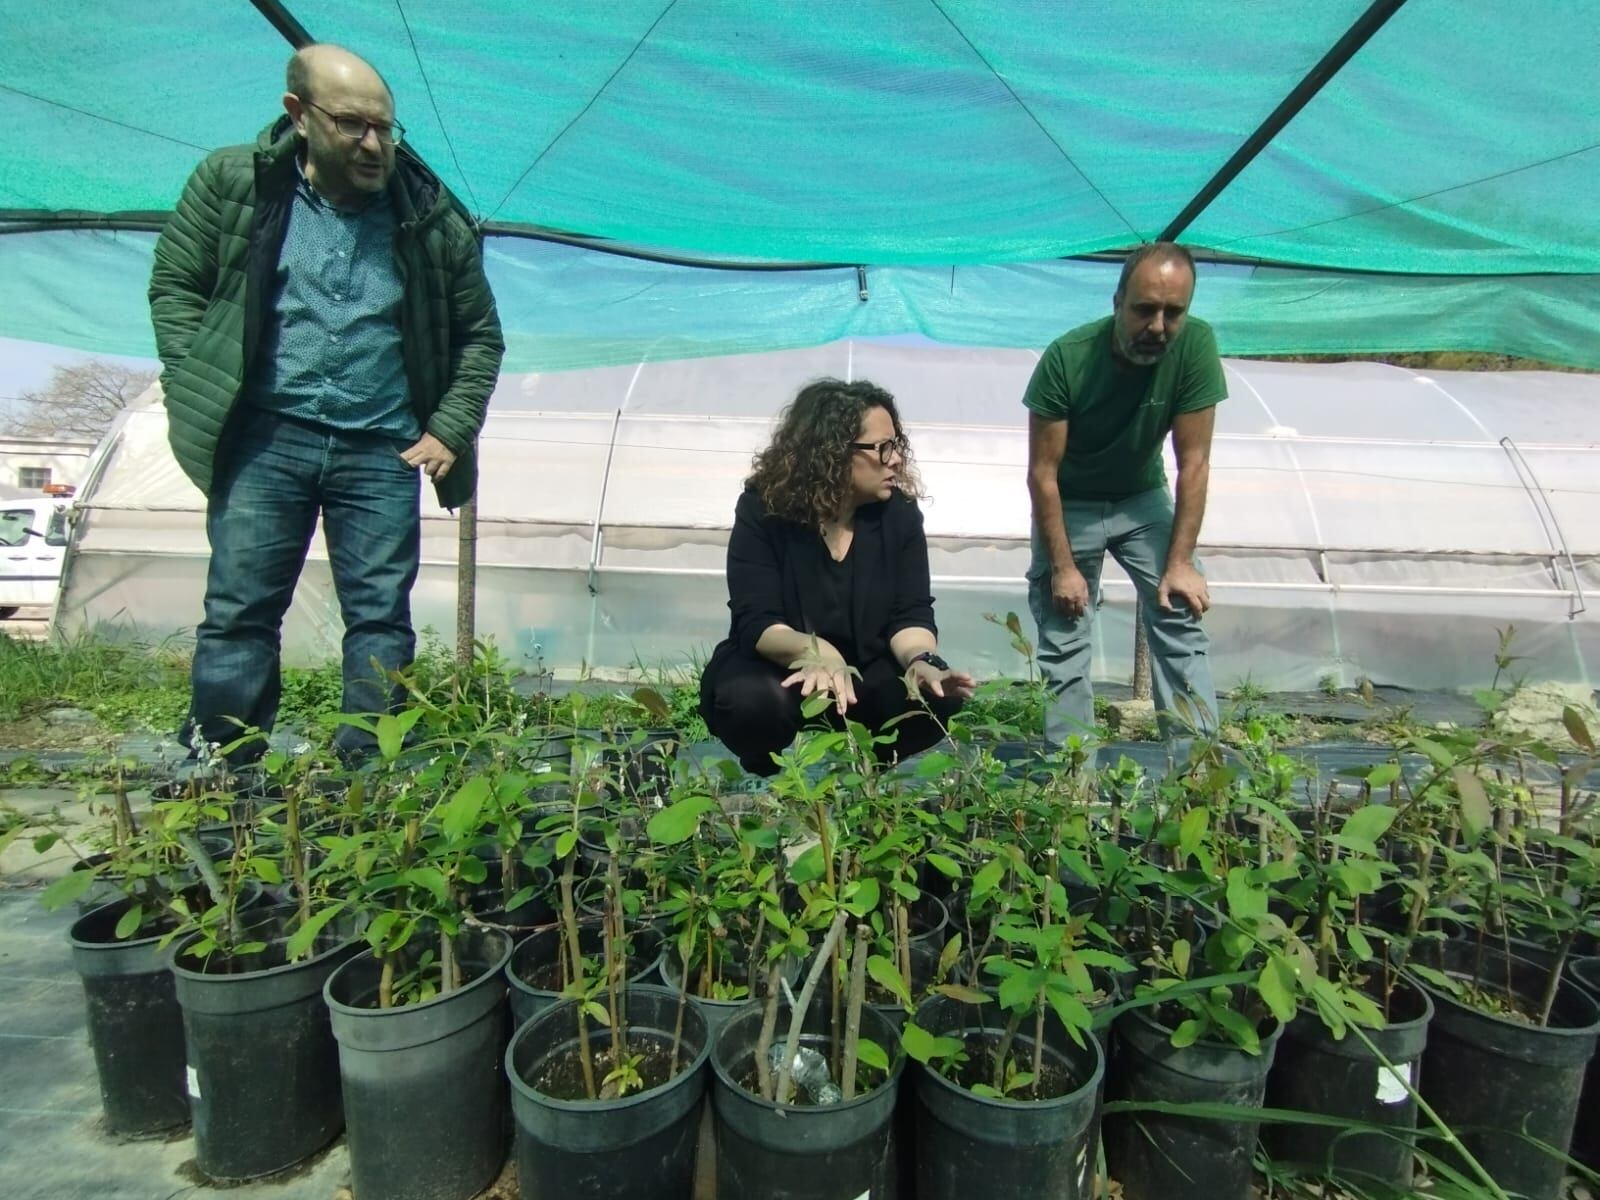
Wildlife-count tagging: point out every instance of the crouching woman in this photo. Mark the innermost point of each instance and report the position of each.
(827, 571)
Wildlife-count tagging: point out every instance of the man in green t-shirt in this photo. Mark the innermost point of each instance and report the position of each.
(1101, 402)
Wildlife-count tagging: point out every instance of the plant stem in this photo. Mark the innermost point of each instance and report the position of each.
(616, 970)
(852, 1022)
(902, 939)
(447, 963)
(386, 982)
(1004, 1049)
(1552, 984)
(797, 1018)
(296, 853)
(769, 1024)
(569, 920)
(1038, 1041)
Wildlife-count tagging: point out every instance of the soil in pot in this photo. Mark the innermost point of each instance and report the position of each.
(614, 1147)
(1163, 1157)
(1032, 1143)
(805, 1151)
(1315, 1073)
(425, 1101)
(536, 972)
(263, 1068)
(1490, 1070)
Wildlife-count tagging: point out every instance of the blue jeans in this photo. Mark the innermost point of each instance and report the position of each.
(1137, 531)
(274, 476)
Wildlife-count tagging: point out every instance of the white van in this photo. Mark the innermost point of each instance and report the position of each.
(33, 543)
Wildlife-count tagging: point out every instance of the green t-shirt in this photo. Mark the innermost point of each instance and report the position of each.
(1118, 414)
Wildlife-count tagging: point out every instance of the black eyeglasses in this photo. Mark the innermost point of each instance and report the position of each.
(355, 128)
(894, 445)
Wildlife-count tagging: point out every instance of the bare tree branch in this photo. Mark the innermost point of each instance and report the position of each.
(79, 403)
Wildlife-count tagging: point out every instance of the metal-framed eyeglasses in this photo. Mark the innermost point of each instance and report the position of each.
(355, 128)
(886, 448)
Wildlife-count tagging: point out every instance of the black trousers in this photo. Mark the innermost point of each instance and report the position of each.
(755, 716)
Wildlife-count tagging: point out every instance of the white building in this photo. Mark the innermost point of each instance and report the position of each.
(32, 464)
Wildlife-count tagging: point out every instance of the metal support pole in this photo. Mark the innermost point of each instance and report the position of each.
(467, 581)
(1357, 36)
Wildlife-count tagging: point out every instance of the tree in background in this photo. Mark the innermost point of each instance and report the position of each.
(79, 403)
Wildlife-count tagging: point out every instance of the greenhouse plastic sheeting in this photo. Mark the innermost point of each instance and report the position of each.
(1379, 549)
(566, 308)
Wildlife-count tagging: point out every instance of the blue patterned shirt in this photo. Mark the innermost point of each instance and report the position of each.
(332, 352)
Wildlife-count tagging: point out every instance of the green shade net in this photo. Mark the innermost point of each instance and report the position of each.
(954, 147)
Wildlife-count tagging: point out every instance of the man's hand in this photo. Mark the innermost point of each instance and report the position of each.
(1183, 582)
(829, 675)
(939, 683)
(1069, 590)
(432, 455)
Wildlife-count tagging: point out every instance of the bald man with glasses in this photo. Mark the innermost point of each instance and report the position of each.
(327, 337)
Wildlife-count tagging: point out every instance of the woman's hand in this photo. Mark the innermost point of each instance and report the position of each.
(929, 678)
(827, 673)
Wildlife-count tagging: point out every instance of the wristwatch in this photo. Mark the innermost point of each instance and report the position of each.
(932, 659)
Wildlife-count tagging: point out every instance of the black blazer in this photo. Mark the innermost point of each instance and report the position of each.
(773, 564)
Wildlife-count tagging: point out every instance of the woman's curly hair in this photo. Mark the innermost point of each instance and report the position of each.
(804, 473)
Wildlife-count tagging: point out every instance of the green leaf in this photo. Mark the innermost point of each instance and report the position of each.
(1576, 728)
(266, 870)
(1476, 812)
(461, 814)
(652, 702)
(594, 1010)
(923, 1046)
(65, 890)
(861, 897)
(1238, 1028)
(1368, 823)
(44, 841)
(302, 939)
(887, 976)
(817, 702)
(129, 923)
(1359, 946)
(809, 866)
(964, 994)
(1186, 1034)
(565, 843)
(676, 823)
(1180, 957)
(948, 957)
(391, 736)
(1071, 1011)
(430, 880)
(1192, 830)
(985, 1090)
(1018, 992)
(1277, 987)
(1247, 901)
(872, 1054)
(986, 879)
(948, 867)
(474, 870)
(1382, 775)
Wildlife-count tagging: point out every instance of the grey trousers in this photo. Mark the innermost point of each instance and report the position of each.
(1137, 532)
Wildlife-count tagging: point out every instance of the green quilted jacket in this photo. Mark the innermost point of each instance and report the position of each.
(211, 297)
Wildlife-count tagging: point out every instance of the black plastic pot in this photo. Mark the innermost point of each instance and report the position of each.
(794, 1152)
(639, 1145)
(716, 1012)
(1585, 972)
(487, 899)
(109, 887)
(541, 949)
(1314, 1073)
(1489, 1077)
(424, 1099)
(263, 1068)
(1162, 1157)
(971, 1145)
(135, 1024)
